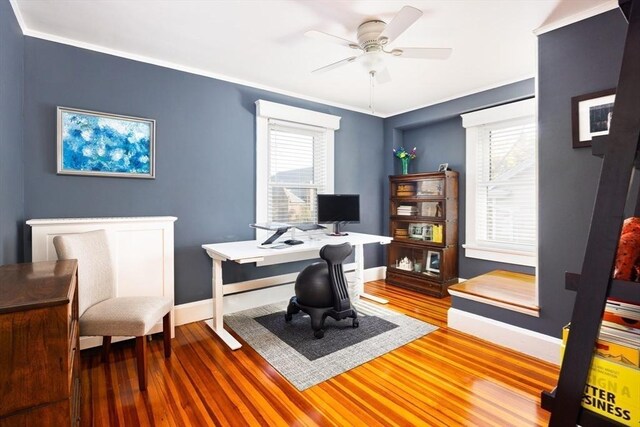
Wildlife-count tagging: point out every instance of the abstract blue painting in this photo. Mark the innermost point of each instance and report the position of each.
(93, 143)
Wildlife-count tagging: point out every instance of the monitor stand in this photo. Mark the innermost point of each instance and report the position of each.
(337, 232)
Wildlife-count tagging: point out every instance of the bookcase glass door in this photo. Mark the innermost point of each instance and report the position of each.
(419, 261)
(416, 207)
(430, 187)
(418, 230)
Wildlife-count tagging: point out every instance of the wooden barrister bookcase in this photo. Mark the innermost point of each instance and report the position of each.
(423, 221)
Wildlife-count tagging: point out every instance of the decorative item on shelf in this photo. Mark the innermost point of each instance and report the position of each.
(443, 167)
(430, 187)
(401, 233)
(404, 264)
(405, 156)
(627, 265)
(433, 262)
(405, 190)
(418, 231)
(433, 209)
(417, 266)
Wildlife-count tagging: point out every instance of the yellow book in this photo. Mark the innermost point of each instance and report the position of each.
(614, 351)
(437, 233)
(613, 391)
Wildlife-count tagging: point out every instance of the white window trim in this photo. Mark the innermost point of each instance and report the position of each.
(266, 110)
(471, 121)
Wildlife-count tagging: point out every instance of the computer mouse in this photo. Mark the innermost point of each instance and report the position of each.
(293, 242)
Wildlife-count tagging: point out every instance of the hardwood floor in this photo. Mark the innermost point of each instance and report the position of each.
(445, 378)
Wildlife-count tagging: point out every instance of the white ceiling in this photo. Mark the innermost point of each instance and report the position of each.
(262, 43)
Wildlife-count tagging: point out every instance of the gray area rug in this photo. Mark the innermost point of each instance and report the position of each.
(306, 361)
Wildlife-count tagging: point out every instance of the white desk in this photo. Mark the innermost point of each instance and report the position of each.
(249, 252)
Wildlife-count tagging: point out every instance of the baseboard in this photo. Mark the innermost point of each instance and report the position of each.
(519, 339)
(237, 299)
(375, 273)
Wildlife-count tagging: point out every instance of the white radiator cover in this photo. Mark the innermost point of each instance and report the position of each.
(142, 252)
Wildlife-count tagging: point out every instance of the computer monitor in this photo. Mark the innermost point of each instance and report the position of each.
(338, 209)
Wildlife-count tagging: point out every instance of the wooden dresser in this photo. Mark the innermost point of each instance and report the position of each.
(39, 346)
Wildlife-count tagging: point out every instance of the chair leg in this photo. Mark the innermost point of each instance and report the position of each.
(141, 359)
(166, 334)
(106, 347)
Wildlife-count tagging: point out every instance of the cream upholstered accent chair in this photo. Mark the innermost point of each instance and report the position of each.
(101, 312)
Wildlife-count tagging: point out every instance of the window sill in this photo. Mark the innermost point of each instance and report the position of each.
(500, 255)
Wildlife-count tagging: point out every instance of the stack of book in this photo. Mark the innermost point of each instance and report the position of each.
(613, 386)
(407, 210)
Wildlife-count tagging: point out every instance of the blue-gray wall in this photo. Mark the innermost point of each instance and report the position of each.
(11, 125)
(205, 163)
(575, 60)
(438, 134)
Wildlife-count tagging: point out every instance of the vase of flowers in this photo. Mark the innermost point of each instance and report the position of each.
(405, 156)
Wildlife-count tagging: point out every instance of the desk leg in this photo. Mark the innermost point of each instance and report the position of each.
(359, 276)
(217, 323)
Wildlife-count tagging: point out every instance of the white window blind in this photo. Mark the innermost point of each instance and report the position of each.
(505, 185)
(294, 162)
(297, 171)
(501, 178)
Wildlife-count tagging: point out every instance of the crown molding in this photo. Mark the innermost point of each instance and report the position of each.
(191, 70)
(18, 14)
(466, 93)
(572, 19)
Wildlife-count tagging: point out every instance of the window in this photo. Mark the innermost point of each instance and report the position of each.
(294, 162)
(501, 201)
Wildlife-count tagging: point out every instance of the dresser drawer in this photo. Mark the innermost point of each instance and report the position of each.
(38, 334)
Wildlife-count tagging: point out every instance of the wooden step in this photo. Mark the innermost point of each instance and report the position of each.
(505, 289)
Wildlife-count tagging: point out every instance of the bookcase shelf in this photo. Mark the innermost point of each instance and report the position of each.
(619, 289)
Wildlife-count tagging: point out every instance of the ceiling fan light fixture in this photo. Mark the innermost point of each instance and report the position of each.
(372, 61)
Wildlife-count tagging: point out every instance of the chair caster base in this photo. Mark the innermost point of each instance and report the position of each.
(318, 334)
(288, 317)
(355, 323)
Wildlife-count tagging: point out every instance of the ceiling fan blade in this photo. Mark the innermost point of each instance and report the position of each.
(399, 24)
(383, 76)
(422, 52)
(335, 65)
(319, 35)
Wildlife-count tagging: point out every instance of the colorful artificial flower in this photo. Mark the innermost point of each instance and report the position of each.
(401, 153)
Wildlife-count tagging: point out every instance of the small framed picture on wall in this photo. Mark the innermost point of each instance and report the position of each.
(591, 116)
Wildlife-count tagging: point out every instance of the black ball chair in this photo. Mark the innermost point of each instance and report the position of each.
(321, 290)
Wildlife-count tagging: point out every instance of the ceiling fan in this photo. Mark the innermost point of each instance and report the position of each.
(373, 37)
